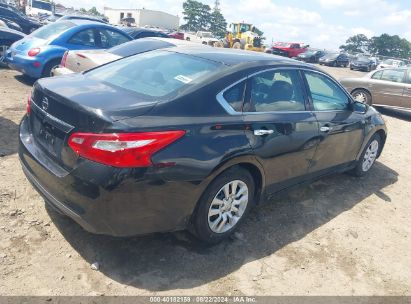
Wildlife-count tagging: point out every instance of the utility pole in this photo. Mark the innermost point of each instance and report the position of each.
(217, 5)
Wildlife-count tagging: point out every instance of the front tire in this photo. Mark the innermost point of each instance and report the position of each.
(224, 205)
(363, 96)
(368, 156)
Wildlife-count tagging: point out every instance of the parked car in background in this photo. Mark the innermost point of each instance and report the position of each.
(82, 17)
(288, 49)
(176, 35)
(40, 52)
(79, 61)
(335, 60)
(10, 24)
(310, 56)
(138, 33)
(362, 63)
(11, 14)
(385, 87)
(391, 63)
(202, 37)
(7, 38)
(167, 140)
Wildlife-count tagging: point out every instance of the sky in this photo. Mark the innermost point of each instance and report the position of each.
(319, 23)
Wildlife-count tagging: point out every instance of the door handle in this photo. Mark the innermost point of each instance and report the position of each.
(263, 132)
(325, 129)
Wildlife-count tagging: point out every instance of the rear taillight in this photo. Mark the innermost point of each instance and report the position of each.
(34, 52)
(122, 149)
(28, 107)
(64, 59)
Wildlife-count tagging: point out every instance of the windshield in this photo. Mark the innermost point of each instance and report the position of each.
(363, 59)
(282, 44)
(206, 35)
(52, 30)
(155, 74)
(42, 5)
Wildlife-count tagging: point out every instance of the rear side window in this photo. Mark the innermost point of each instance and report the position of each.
(235, 96)
(85, 37)
(393, 75)
(111, 38)
(325, 93)
(155, 74)
(276, 91)
(52, 29)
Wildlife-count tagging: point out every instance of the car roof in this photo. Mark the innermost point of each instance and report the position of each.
(232, 57)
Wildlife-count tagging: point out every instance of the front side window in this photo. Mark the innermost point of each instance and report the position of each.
(377, 75)
(85, 37)
(393, 75)
(272, 91)
(111, 38)
(157, 74)
(235, 96)
(326, 95)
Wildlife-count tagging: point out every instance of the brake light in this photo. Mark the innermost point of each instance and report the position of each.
(64, 59)
(28, 107)
(122, 149)
(34, 52)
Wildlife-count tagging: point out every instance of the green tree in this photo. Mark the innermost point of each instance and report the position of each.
(356, 44)
(392, 46)
(218, 23)
(196, 15)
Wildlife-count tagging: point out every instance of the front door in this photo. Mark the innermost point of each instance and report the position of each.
(282, 133)
(388, 87)
(341, 129)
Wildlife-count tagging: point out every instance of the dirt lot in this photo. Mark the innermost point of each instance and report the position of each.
(341, 235)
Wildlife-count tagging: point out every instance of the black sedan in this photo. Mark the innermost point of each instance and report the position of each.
(362, 64)
(311, 56)
(335, 60)
(138, 33)
(189, 138)
(7, 38)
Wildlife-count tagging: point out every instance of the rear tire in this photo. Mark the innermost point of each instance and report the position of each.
(221, 208)
(368, 156)
(49, 67)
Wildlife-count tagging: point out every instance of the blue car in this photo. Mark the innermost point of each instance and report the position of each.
(39, 53)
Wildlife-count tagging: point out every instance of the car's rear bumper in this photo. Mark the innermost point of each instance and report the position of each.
(24, 64)
(62, 71)
(107, 200)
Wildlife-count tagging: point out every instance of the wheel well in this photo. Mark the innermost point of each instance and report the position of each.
(257, 177)
(383, 137)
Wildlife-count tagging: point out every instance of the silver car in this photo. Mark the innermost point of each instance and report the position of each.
(386, 87)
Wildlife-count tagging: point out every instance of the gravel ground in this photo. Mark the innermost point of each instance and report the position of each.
(338, 236)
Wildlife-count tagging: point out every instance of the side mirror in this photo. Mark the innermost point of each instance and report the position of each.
(359, 107)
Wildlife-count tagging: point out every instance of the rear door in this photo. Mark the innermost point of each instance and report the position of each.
(341, 129)
(389, 87)
(281, 131)
(406, 101)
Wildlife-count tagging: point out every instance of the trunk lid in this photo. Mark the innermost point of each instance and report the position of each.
(62, 105)
(78, 61)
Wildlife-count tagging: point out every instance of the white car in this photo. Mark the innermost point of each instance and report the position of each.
(206, 38)
(391, 63)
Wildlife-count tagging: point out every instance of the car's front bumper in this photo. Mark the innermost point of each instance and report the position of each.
(24, 64)
(107, 200)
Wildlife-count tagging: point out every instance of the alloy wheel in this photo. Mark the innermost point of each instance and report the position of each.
(370, 155)
(228, 206)
(360, 97)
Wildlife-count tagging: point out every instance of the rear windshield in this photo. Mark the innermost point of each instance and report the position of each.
(52, 30)
(155, 74)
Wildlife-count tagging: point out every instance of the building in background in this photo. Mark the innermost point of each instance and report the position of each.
(143, 17)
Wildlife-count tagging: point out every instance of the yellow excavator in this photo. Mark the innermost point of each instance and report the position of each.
(242, 36)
